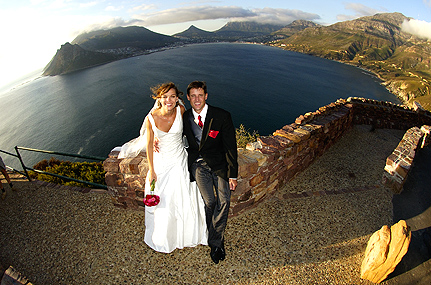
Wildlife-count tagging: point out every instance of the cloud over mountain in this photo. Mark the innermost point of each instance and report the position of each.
(231, 13)
(418, 28)
(360, 10)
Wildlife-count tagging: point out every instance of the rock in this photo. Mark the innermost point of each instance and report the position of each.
(261, 158)
(289, 135)
(384, 251)
(253, 146)
(13, 277)
(376, 251)
(426, 130)
(270, 141)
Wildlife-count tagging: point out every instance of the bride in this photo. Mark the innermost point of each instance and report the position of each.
(178, 221)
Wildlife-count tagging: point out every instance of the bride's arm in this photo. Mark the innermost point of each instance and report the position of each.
(150, 153)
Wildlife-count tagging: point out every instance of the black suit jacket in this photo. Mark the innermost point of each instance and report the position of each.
(218, 150)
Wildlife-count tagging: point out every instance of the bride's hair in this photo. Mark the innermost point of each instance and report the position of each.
(163, 88)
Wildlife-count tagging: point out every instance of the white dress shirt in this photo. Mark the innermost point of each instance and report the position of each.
(203, 115)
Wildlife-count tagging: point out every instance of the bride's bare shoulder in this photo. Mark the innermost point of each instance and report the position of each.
(155, 113)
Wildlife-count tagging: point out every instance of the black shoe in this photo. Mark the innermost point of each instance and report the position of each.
(223, 253)
(217, 254)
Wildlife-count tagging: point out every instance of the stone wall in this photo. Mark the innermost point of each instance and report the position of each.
(126, 179)
(399, 163)
(268, 164)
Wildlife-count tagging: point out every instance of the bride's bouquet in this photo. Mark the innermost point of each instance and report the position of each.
(152, 199)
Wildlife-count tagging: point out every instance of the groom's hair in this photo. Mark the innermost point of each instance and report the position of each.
(197, 85)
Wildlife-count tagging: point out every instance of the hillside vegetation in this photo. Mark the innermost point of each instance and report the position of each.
(376, 43)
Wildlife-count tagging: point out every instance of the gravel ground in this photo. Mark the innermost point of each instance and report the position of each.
(59, 236)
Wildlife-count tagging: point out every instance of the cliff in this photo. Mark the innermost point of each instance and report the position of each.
(71, 58)
(102, 46)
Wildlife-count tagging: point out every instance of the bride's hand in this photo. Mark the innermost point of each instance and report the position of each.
(152, 176)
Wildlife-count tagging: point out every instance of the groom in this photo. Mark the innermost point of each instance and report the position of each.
(212, 161)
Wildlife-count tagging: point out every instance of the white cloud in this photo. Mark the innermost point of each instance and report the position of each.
(144, 7)
(233, 13)
(88, 4)
(418, 28)
(359, 10)
(277, 16)
(99, 24)
(113, 8)
(427, 2)
(180, 15)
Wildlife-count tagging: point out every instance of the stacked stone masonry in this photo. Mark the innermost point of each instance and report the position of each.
(399, 163)
(271, 162)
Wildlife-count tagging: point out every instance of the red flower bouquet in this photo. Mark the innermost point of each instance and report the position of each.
(151, 199)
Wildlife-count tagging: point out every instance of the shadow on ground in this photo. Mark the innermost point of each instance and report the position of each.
(414, 206)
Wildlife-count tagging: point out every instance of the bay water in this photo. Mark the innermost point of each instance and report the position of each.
(91, 111)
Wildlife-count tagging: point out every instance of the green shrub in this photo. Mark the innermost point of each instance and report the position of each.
(243, 136)
(87, 171)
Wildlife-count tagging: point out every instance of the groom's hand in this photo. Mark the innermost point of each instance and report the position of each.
(156, 144)
(232, 184)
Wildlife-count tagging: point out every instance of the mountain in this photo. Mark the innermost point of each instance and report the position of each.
(138, 38)
(99, 47)
(376, 43)
(232, 31)
(295, 27)
(245, 31)
(71, 58)
(193, 32)
(371, 37)
(102, 46)
(247, 28)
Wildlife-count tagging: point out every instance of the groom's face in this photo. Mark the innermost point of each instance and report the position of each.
(197, 98)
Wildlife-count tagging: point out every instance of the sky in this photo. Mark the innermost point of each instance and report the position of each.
(31, 31)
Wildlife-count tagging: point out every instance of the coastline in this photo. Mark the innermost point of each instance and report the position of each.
(389, 85)
(383, 82)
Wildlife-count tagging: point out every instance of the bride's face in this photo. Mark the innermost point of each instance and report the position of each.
(169, 100)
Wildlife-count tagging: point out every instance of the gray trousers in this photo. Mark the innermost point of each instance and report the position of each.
(216, 195)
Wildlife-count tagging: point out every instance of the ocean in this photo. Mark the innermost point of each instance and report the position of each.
(90, 112)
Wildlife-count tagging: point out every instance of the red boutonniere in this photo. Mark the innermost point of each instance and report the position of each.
(213, 134)
(152, 199)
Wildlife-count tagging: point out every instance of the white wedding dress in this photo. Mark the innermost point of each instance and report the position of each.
(178, 221)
